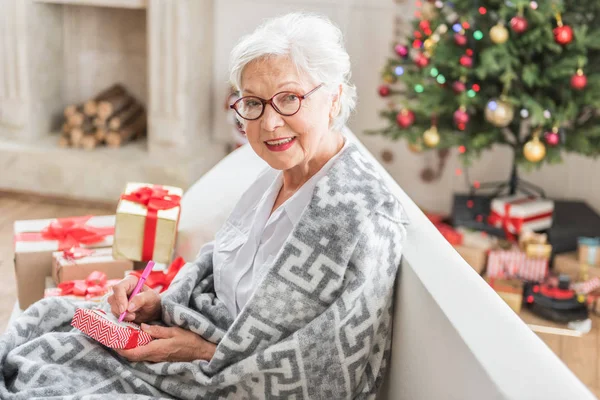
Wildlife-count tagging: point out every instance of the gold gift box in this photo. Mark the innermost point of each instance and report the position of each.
(130, 223)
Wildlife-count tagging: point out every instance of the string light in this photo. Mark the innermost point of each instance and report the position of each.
(417, 44)
(471, 93)
(478, 35)
(399, 70)
(462, 149)
(482, 10)
(441, 79)
(466, 25)
(470, 203)
(419, 88)
(434, 72)
(457, 27)
(458, 172)
(476, 87)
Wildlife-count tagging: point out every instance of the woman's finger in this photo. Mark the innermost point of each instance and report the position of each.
(121, 290)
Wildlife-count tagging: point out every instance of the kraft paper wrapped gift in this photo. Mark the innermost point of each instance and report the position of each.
(569, 264)
(146, 223)
(475, 257)
(36, 240)
(515, 214)
(78, 263)
(510, 290)
(106, 329)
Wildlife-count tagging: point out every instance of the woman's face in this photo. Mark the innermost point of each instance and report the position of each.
(308, 128)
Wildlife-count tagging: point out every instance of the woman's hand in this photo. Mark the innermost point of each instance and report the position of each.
(143, 307)
(171, 344)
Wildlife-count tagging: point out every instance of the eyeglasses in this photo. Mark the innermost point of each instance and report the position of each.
(285, 103)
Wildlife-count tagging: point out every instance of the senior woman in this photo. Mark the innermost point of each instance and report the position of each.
(293, 297)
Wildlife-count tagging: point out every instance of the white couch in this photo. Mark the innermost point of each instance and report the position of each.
(453, 337)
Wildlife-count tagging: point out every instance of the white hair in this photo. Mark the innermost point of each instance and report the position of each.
(315, 46)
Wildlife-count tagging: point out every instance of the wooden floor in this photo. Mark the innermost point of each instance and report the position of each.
(581, 354)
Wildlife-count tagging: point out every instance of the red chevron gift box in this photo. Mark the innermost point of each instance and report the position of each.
(146, 223)
(107, 330)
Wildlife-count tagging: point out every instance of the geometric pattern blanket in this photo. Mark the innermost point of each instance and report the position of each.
(317, 327)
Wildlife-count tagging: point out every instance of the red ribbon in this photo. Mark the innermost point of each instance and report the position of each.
(69, 232)
(76, 253)
(454, 237)
(154, 198)
(94, 285)
(160, 278)
(515, 223)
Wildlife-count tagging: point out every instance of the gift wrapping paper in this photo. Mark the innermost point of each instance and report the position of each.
(78, 263)
(517, 213)
(107, 330)
(146, 223)
(514, 263)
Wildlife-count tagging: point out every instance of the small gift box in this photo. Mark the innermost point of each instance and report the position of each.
(515, 214)
(514, 263)
(146, 223)
(36, 240)
(106, 329)
(475, 257)
(78, 263)
(589, 250)
(510, 290)
(93, 288)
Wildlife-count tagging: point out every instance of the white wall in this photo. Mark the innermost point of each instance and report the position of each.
(368, 26)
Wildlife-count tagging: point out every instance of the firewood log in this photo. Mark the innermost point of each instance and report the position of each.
(89, 141)
(66, 129)
(72, 109)
(76, 119)
(126, 116)
(90, 107)
(101, 134)
(114, 104)
(77, 133)
(64, 141)
(129, 132)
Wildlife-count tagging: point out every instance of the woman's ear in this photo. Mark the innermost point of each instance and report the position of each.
(335, 103)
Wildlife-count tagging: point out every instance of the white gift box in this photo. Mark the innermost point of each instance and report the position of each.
(519, 213)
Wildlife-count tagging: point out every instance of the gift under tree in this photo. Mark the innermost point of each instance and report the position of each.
(472, 74)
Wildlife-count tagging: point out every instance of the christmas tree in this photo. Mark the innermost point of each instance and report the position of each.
(472, 74)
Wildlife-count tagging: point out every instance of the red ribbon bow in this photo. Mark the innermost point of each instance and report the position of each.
(93, 286)
(76, 253)
(160, 278)
(69, 232)
(514, 224)
(154, 198)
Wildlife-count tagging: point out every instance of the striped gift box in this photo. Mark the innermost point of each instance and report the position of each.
(586, 287)
(514, 263)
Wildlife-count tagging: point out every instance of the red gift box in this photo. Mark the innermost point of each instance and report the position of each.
(515, 214)
(107, 330)
(514, 263)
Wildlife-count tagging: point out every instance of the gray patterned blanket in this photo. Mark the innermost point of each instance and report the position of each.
(317, 327)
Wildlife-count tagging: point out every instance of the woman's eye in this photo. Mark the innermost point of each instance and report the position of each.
(291, 97)
(251, 103)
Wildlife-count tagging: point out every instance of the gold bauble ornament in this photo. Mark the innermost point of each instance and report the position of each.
(499, 34)
(431, 137)
(499, 113)
(428, 11)
(415, 147)
(534, 150)
(389, 78)
(428, 44)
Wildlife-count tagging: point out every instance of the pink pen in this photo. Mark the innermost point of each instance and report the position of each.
(139, 285)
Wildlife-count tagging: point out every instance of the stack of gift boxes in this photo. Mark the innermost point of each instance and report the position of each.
(81, 257)
(515, 241)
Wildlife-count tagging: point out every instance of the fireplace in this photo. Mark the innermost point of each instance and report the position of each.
(61, 52)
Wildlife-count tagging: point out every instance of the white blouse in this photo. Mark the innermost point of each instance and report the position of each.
(248, 243)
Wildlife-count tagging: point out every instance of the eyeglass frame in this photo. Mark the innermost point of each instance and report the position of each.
(270, 101)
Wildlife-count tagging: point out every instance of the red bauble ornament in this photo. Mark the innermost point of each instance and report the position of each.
(518, 24)
(421, 61)
(460, 40)
(579, 81)
(563, 34)
(552, 138)
(405, 118)
(384, 90)
(459, 87)
(401, 50)
(461, 118)
(466, 61)
(424, 25)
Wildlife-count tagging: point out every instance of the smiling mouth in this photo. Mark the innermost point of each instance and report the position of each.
(280, 141)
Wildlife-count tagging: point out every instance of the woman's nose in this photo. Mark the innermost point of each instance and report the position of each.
(271, 119)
